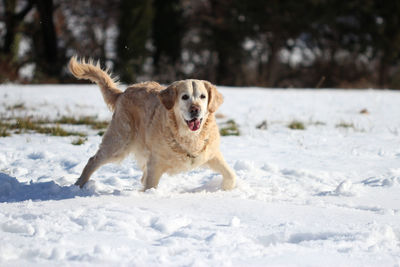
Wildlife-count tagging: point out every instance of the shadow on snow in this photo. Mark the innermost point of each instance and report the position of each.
(11, 190)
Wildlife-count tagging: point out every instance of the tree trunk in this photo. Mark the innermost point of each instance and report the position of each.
(273, 64)
(12, 22)
(227, 44)
(134, 25)
(50, 63)
(382, 79)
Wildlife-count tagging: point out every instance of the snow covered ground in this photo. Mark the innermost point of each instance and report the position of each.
(328, 195)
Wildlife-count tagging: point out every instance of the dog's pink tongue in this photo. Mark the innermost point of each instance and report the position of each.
(194, 125)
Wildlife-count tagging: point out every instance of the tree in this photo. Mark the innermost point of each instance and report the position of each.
(386, 37)
(167, 33)
(47, 52)
(9, 63)
(227, 37)
(276, 25)
(87, 31)
(134, 31)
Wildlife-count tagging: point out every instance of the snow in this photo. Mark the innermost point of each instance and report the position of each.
(323, 196)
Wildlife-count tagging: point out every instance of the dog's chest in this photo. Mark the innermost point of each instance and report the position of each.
(194, 161)
(189, 162)
(182, 161)
(185, 153)
(192, 153)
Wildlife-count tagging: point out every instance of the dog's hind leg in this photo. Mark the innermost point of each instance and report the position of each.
(114, 147)
(218, 164)
(93, 164)
(143, 180)
(151, 174)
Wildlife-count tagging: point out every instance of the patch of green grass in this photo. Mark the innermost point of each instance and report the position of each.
(4, 128)
(4, 132)
(58, 131)
(229, 128)
(345, 125)
(79, 141)
(85, 120)
(98, 125)
(296, 125)
(23, 125)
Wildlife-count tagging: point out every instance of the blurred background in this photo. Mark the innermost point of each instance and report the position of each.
(291, 43)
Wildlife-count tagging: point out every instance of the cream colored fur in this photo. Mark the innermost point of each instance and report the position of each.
(150, 121)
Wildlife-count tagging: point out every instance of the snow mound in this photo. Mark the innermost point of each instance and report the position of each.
(244, 165)
(168, 226)
(345, 188)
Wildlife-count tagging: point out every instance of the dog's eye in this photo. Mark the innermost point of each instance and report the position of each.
(185, 97)
(203, 96)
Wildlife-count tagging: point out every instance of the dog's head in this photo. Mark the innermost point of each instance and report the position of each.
(192, 101)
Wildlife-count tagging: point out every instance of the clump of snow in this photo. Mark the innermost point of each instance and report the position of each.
(235, 222)
(345, 188)
(270, 168)
(381, 236)
(16, 227)
(168, 226)
(243, 165)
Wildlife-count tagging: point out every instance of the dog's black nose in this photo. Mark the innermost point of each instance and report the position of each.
(194, 111)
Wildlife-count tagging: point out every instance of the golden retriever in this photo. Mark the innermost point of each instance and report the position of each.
(169, 130)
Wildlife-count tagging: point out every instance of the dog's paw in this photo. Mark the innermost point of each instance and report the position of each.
(228, 184)
(79, 183)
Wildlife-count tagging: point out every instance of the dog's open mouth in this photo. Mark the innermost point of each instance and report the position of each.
(194, 124)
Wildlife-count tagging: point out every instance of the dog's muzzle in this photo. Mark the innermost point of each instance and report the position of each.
(195, 122)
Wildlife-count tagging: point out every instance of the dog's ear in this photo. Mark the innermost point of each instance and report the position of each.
(215, 99)
(168, 97)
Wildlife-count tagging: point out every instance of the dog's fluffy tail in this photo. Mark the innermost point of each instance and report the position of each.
(87, 70)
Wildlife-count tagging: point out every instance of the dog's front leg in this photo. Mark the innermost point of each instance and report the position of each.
(218, 164)
(151, 174)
